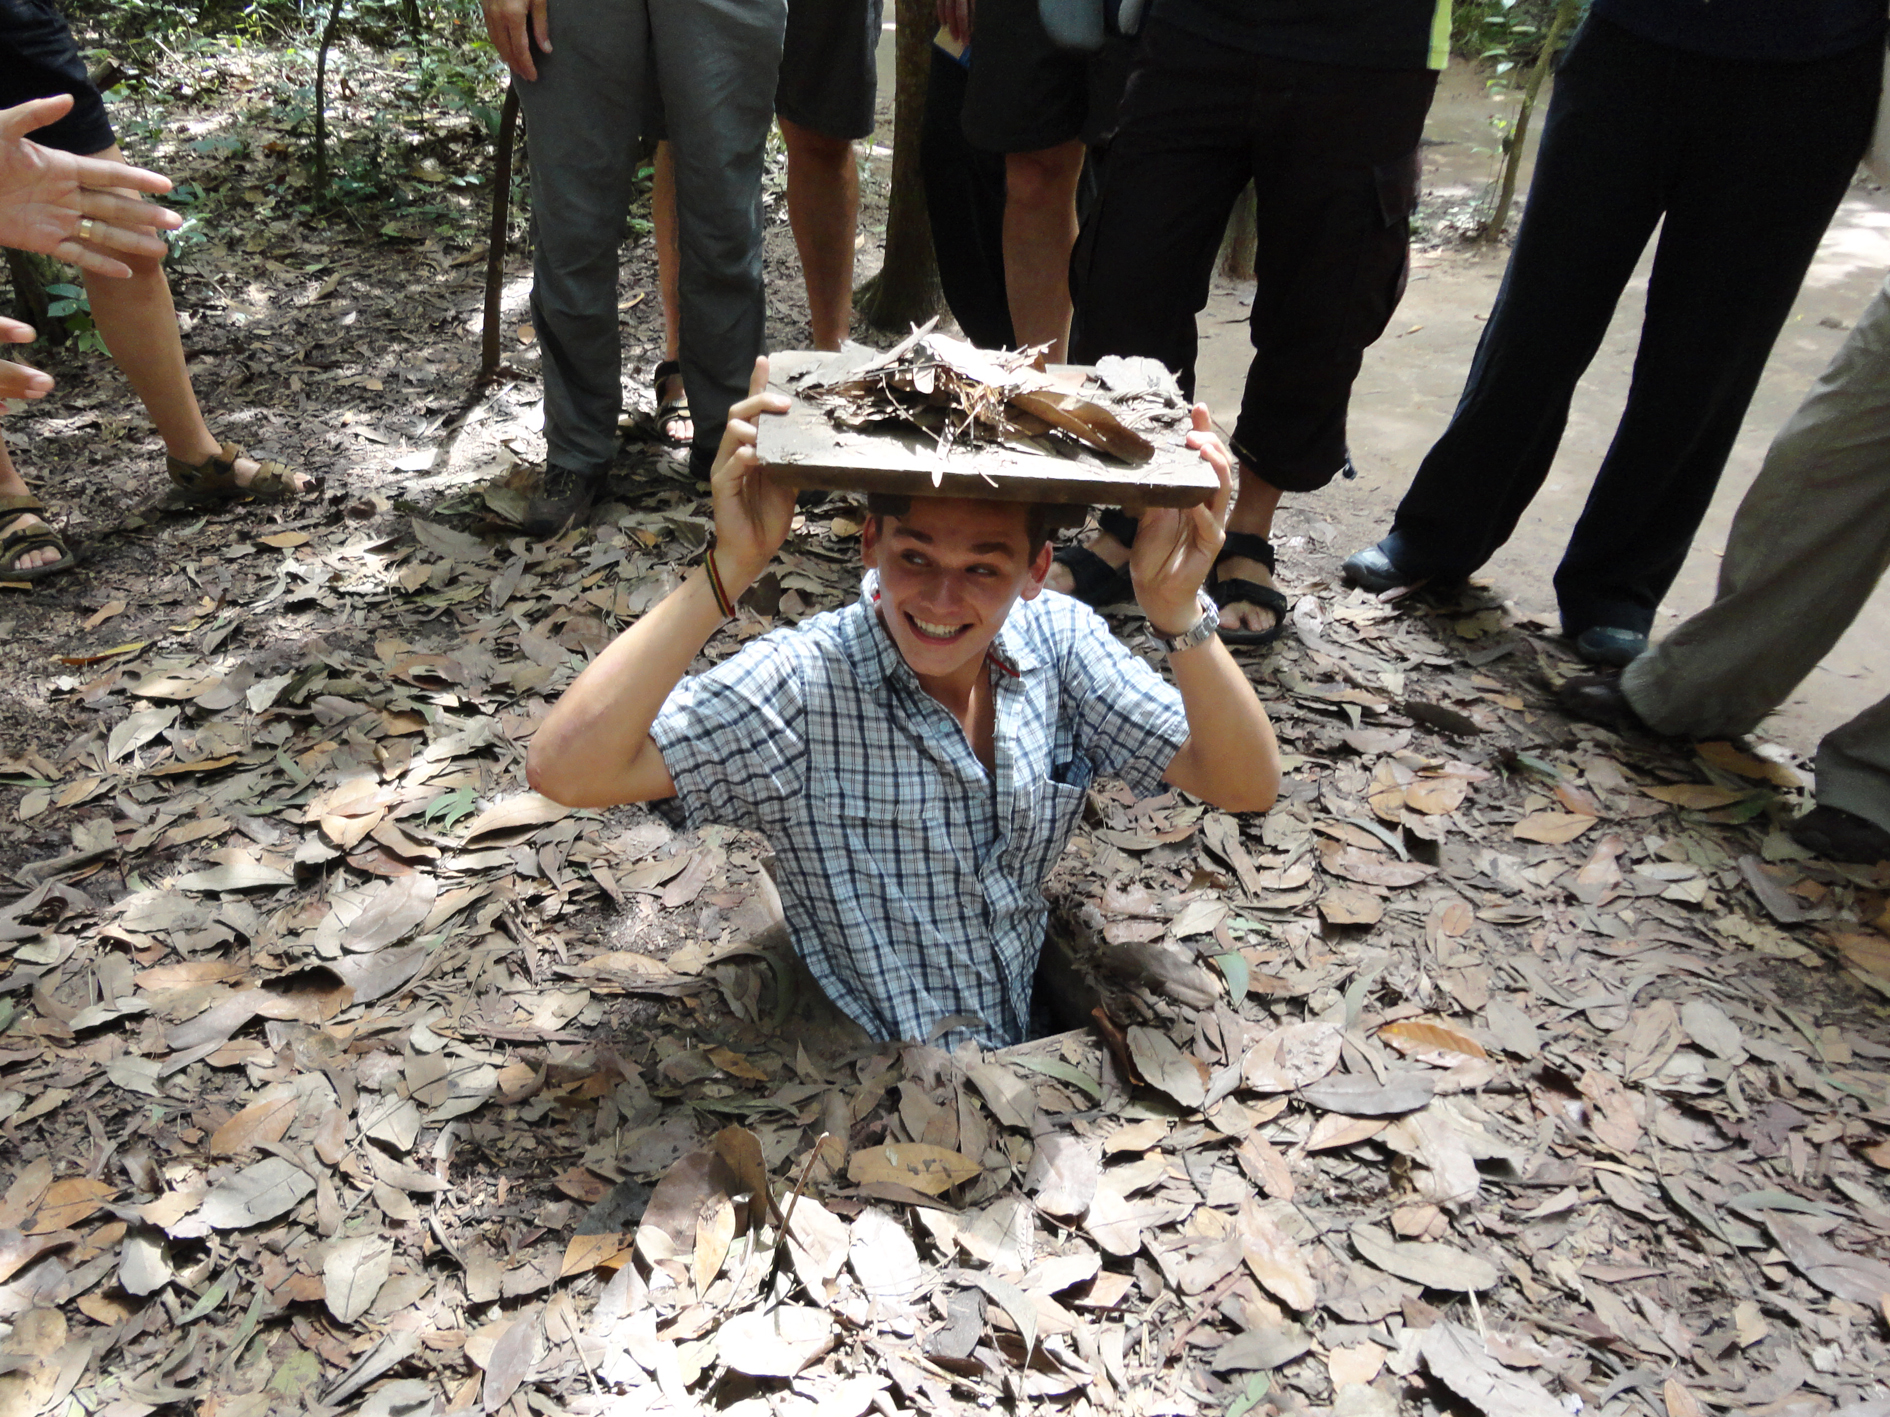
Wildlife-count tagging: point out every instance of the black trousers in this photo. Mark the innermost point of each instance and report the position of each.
(1741, 165)
(1332, 153)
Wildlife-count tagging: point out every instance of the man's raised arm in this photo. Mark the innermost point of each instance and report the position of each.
(594, 749)
(1230, 758)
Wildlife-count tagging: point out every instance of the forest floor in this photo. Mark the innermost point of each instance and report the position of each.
(1507, 1065)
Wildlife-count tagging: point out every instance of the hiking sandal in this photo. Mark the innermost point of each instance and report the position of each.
(213, 480)
(670, 412)
(1093, 580)
(17, 538)
(1233, 590)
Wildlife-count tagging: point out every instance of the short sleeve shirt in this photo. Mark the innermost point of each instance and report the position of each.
(911, 877)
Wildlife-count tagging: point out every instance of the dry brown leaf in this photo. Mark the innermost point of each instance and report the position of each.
(1552, 828)
(18, 1250)
(1369, 868)
(715, 1231)
(1460, 1361)
(1264, 1166)
(1063, 1174)
(1350, 907)
(774, 1343)
(1274, 1259)
(527, 809)
(1680, 1402)
(1292, 1056)
(1335, 1130)
(1182, 1076)
(1423, 1038)
(1437, 796)
(1354, 1363)
(883, 1258)
(740, 1150)
(1435, 1266)
(69, 1203)
(1727, 758)
(257, 1124)
(594, 1252)
(353, 1272)
(931, 1170)
(1859, 1278)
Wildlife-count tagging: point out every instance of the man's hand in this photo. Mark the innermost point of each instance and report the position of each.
(512, 25)
(17, 381)
(1175, 546)
(956, 16)
(752, 514)
(66, 206)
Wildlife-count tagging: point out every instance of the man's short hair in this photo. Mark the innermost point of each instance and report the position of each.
(1042, 520)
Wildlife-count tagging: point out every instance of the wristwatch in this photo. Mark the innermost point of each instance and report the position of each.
(1203, 630)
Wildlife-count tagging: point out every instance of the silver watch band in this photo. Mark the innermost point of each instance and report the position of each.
(1203, 630)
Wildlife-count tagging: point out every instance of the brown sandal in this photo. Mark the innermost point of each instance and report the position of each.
(214, 479)
(17, 539)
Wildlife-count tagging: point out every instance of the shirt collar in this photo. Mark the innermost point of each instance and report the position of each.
(874, 656)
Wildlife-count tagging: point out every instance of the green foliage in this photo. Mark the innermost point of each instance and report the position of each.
(1504, 35)
(69, 306)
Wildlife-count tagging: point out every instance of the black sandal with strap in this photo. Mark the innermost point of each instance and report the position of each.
(17, 539)
(1093, 580)
(670, 411)
(1233, 590)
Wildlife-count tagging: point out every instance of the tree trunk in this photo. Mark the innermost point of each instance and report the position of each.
(906, 290)
(495, 233)
(1565, 13)
(321, 101)
(31, 274)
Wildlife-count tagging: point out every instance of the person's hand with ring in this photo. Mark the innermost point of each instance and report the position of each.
(77, 209)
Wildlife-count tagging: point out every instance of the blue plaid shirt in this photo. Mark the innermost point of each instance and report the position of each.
(912, 878)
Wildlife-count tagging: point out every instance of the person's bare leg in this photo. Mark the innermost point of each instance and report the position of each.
(1039, 230)
(13, 485)
(138, 323)
(669, 286)
(823, 200)
(1253, 512)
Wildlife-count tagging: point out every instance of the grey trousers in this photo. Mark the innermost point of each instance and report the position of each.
(715, 62)
(1807, 547)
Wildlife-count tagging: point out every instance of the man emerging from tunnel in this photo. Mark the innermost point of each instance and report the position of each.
(918, 759)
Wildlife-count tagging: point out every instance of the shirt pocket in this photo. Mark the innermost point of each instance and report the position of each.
(1044, 815)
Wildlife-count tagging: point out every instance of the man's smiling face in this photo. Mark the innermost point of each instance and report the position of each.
(949, 571)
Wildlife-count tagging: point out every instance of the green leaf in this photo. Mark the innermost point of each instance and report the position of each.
(1257, 1387)
(1234, 969)
(449, 807)
(1057, 1068)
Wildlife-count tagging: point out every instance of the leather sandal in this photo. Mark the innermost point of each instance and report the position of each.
(17, 538)
(1233, 590)
(213, 480)
(1093, 580)
(670, 412)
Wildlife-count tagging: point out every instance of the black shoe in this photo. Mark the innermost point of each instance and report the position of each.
(1598, 698)
(1839, 835)
(1373, 570)
(563, 497)
(1610, 644)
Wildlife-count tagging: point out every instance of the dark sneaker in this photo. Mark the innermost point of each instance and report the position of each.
(1610, 644)
(1598, 698)
(563, 497)
(1374, 571)
(1838, 835)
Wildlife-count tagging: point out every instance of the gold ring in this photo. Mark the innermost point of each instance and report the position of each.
(86, 228)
